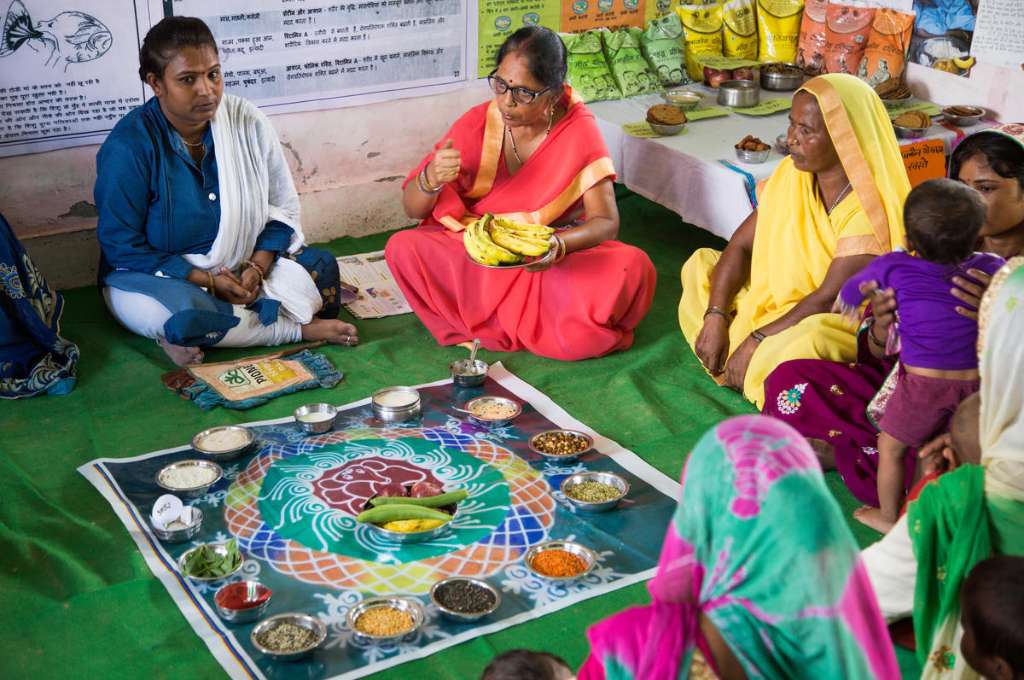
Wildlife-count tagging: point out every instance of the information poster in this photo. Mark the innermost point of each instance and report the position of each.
(999, 33)
(295, 55)
(942, 35)
(924, 160)
(583, 15)
(63, 75)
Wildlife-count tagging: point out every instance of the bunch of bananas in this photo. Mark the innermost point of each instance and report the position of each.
(495, 241)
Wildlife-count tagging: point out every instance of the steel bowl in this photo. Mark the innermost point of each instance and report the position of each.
(253, 590)
(909, 132)
(964, 119)
(667, 130)
(463, 616)
(584, 553)
(411, 536)
(295, 618)
(493, 422)
(220, 549)
(740, 94)
(316, 418)
(687, 100)
(753, 157)
(409, 408)
(466, 373)
(565, 458)
(608, 478)
(200, 444)
(790, 78)
(186, 533)
(408, 605)
(782, 144)
(897, 102)
(195, 491)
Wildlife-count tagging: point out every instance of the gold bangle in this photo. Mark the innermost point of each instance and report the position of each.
(213, 285)
(259, 270)
(715, 309)
(424, 184)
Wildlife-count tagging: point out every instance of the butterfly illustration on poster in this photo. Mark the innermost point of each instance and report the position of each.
(70, 37)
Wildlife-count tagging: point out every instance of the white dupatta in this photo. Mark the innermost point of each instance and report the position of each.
(256, 187)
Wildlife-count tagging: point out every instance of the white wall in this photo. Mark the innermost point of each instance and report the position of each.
(996, 88)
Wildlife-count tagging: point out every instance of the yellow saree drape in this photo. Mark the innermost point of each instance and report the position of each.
(796, 238)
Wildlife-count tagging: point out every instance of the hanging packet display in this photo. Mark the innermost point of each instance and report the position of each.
(848, 28)
(588, 73)
(886, 54)
(739, 29)
(628, 66)
(662, 44)
(810, 54)
(702, 31)
(778, 28)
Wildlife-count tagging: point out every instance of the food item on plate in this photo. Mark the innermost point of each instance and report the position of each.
(187, 476)
(395, 512)
(848, 27)
(464, 597)
(893, 89)
(745, 73)
(964, 110)
(593, 492)
(665, 114)
(886, 53)
(492, 409)
(752, 143)
(243, 595)
(384, 621)
(778, 28)
(206, 562)
(411, 526)
(913, 119)
(739, 29)
(495, 241)
(220, 440)
(782, 69)
(286, 637)
(713, 77)
(438, 500)
(560, 443)
(558, 563)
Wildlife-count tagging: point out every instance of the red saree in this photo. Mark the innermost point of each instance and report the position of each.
(585, 306)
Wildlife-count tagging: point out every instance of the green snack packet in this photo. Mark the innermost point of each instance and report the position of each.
(588, 72)
(662, 45)
(629, 68)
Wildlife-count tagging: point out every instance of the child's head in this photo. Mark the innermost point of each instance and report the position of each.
(943, 219)
(523, 664)
(991, 602)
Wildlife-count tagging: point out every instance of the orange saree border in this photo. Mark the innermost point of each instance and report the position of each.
(490, 153)
(854, 163)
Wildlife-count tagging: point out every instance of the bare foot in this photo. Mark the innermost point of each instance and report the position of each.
(181, 355)
(334, 331)
(873, 518)
(825, 452)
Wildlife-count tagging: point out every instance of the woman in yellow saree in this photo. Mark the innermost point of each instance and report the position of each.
(823, 214)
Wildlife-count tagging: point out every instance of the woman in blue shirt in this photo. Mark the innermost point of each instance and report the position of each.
(199, 218)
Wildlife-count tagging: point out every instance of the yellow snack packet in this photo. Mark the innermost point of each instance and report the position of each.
(702, 32)
(778, 29)
(739, 29)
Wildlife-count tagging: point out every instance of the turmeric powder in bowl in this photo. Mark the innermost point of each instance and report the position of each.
(558, 563)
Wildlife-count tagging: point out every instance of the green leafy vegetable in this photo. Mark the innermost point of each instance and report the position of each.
(206, 562)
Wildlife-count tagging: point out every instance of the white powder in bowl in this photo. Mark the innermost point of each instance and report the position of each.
(395, 398)
(316, 417)
(187, 476)
(227, 439)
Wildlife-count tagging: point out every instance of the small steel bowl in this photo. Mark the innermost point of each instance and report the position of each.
(566, 458)
(316, 418)
(180, 535)
(466, 373)
(409, 408)
(908, 132)
(782, 144)
(411, 536)
(408, 605)
(667, 130)
(741, 94)
(493, 422)
(463, 616)
(753, 157)
(584, 553)
(200, 444)
(195, 491)
(609, 478)
(897, 102)
(252, 590)
(791, 77)
(220, 549)
(687, 100)
(297, 619)
(964, 119)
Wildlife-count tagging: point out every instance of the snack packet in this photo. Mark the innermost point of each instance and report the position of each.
(778, 28)
(628, 66)
(848, 27)
(662, 44)
(588, 73)
(810, 55)
(739, 29)
(886, 54)
(702, 30)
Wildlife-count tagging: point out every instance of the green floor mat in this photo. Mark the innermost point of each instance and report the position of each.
(76, 598)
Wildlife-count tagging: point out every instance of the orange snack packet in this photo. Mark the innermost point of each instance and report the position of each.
(886, 54)
(848, 27)
(810, 54)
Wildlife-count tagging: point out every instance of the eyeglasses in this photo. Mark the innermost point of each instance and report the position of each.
(521, 95)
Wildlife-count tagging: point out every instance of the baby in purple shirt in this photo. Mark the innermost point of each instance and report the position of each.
(938, 355)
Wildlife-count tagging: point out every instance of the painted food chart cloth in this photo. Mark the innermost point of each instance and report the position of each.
(291, 504)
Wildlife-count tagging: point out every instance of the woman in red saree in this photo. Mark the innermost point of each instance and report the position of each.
(533, 154)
